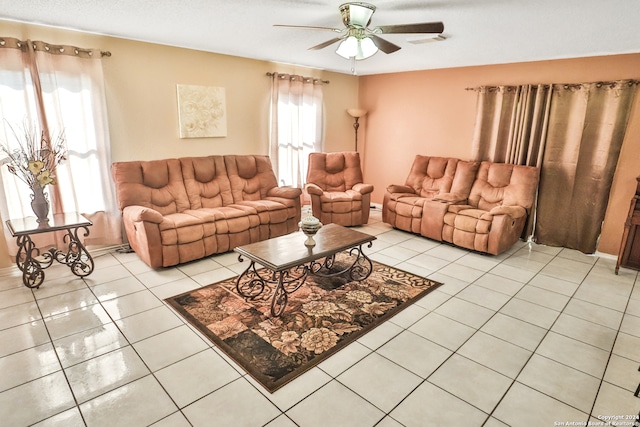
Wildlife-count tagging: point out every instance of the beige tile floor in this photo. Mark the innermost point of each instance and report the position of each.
(538, 336)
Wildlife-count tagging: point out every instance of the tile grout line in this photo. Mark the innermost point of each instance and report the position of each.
(538, 346)
(62, 368)
(602, 381)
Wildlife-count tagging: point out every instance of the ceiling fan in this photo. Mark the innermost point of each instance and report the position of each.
(359, 41)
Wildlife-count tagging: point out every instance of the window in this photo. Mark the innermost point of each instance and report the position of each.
(297, 122)
(65, 94)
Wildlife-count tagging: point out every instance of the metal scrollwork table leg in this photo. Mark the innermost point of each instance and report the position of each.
(77, 257)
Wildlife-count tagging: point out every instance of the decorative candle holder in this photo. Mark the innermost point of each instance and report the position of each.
(310, 226)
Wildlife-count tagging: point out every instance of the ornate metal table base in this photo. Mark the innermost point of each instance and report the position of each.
(252, 282)
(32, 263)
(77, 258)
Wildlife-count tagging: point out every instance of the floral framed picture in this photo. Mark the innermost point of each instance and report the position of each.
(202, 111)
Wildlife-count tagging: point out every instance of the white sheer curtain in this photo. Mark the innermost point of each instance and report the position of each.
(296, 126)
(60, 89)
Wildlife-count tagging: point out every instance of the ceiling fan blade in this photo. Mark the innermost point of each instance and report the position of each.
(383, 45)
(425, 27)
(307, 27)
(325, 44)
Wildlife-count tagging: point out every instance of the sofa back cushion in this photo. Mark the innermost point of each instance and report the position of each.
(464, 178)
(501, 184)
(206, 182)
(155, 184)
(250, 176)
(334, 171)
(430, 176)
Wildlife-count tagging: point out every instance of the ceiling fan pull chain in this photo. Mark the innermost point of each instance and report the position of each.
(353, 66)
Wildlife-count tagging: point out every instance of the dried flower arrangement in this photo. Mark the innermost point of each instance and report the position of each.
(34, 157)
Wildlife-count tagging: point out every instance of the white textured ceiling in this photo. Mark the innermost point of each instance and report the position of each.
(478, 32)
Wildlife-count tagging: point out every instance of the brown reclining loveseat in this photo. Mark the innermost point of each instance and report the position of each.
(482, 206)
(179, 210)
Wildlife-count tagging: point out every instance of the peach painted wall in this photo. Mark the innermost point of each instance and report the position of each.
(141, 79)
(431, 113)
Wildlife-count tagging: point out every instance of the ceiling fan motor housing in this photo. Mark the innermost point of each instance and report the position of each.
(357, 14)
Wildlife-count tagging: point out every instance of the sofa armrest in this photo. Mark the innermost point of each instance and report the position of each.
(142, 226)
(284, 192)
(314, 189)
(363, 188)
(136, 213)
(512, 211)
(394, 188)
(452, 198)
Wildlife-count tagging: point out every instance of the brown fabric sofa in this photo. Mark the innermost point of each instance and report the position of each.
(334, 184)
(179, 210)
(482, 206)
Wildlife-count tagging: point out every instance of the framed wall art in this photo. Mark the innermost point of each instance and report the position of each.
(202, 111)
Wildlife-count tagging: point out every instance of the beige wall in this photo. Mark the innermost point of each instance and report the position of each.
(141, 81)
(431, 113)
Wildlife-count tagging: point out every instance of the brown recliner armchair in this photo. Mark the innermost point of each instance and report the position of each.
(496, 211)
(334, 184)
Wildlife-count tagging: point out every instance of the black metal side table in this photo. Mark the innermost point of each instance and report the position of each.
(32, 263)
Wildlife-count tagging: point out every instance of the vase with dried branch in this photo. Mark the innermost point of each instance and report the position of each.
(33, 156)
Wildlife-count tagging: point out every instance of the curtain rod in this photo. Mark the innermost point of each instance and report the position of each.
(293, 77)
(10, 42)
(565, 85)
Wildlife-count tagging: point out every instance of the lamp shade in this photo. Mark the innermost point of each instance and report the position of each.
(353, 47)
(348, 47)
(366, 48)
(357, 112)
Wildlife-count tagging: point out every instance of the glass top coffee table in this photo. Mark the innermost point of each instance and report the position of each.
(288, 262)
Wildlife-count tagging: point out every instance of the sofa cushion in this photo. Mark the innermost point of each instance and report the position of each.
(429, 176)
(410, 206)
(155, 184)
(267, 210)
(340, 196)
(251, 177)
(180, 228)
(499, 184)
(206, 182)
(334, 171)
(472, 223)
(228, 219)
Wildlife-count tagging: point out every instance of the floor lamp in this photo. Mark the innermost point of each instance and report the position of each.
(356, 113)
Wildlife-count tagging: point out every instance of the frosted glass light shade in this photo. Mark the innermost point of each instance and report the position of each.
(367, 48)
(357, 112)
(348, 47)
(359, 48)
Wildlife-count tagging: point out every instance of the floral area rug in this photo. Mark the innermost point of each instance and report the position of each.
(321, 317)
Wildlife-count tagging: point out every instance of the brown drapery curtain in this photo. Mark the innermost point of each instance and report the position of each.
(511, 127)
(573, 133)
(54, 89)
